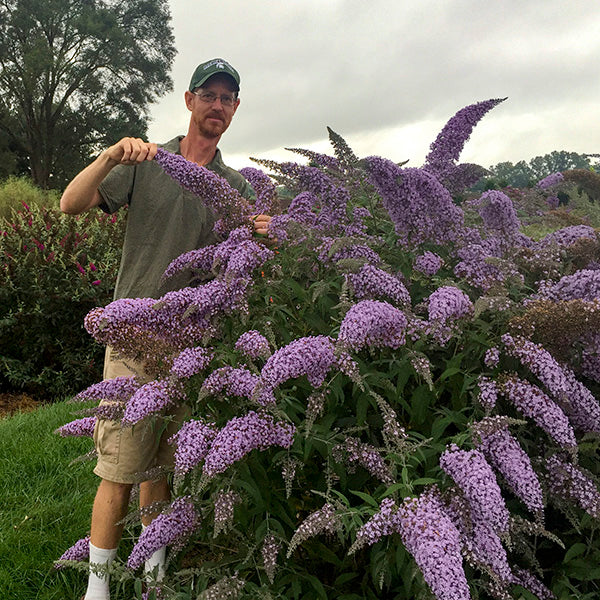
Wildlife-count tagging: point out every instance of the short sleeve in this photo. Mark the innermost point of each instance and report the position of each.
(116, 188)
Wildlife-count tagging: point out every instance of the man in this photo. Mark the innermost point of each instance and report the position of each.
(163, 222)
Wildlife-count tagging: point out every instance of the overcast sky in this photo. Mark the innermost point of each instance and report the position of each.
(388, 74)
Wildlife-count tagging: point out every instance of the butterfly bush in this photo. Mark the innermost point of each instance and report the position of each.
(390, 313)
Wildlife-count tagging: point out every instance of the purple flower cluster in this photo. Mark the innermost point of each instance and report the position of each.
(169, 528)
(80, 550)
(231, 381)
(199, 260)
(583, 285)
(574, 398)
(191, 361)
(505, 454)
(193, 441)
(499, 215)
(420, 207)
(476, 479)
(448, 145)
(152, 398)
(530, 582)
(313, 356)
(449, 304)
(476, 264)
(253, 345)
(550, 181)
(364, 455)
(488, 392)
(332, 250)
(270, 549)
(433, 540)
(321, 521)
(533, 403)
(227, 202)
(492, 357)
(119, 389)
(570, 483)
(243, 434)
(371, 283)
(428, 263)
(386, 521)
(567, 236)
(224, 504)
(373, 324)
(78, 428)
(263, 186)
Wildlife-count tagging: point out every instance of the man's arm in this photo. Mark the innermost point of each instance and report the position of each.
(82, 193)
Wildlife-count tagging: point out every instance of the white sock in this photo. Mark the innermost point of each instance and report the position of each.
(98, 585)
(157, 559)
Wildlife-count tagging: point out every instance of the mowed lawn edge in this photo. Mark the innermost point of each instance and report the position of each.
(45, 503)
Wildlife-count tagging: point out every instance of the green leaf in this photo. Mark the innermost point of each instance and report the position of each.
(368, 499)
(575, 550)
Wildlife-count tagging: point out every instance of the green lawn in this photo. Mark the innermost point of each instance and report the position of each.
(45, 504)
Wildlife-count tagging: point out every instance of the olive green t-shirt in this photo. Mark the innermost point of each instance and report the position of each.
(163, 222)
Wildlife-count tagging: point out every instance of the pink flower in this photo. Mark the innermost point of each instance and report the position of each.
(96, 282)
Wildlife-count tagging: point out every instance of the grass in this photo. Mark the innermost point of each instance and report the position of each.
(45, 504)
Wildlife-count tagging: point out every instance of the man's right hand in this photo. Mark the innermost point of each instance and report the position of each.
(130, 151)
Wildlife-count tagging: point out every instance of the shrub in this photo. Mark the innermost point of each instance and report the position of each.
(54, 269)
(370, 418)
(16, 190)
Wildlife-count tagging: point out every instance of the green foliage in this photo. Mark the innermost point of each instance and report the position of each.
(16, 190)
(76, 76)
(54, 269)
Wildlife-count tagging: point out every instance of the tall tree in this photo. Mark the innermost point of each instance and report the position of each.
(76, 75)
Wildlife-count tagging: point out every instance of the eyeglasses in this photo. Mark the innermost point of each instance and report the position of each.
(211, 98)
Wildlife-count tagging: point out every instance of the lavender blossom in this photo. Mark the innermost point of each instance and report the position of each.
(505, 454)
(582, 285)
(373, 324)
(241, 435)
(199, 261)
(475, 477)
(499, 215)
(263, 186)
(193, 441)
(574, 398)
(449, 304)
(430, 536)
(227, 588)
(231, 381)
(270, 549)
(333, 250)
(385, 522)
(152, 398)
(488, 392)
(213, 189)
(191, 361)
(420, 207)
(171, 528)
(550, 181)
(321, 521)
(533, 403)
(253, 345)
(531, 583)
(451, 140)
(372, 283)
(492, 357)
(567, 236)
(570, 483)
(119, 389)
(79, 551)
(428, 263)
(78, 428)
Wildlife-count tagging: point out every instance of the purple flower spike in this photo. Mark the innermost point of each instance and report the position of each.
(119, 389)
(582, 285)
(191, 361)
(241, 435)
(570, 483)
(550, 181)
(193, 441)
(449, 303)
(78, 428)
(80, 550)
(263, 186)
(428, 263)
(475, 477)
(505, 454)
(171, 528)
(433, 540)
(231, 381)
(373, 324)
(371, 283)
(530, 582)
(152, 398)
(253, 345)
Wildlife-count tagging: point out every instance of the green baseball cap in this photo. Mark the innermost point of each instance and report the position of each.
(210, 68)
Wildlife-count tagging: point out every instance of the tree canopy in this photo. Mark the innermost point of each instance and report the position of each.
(76, 75)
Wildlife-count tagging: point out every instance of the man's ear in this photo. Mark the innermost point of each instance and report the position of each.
(189, 98)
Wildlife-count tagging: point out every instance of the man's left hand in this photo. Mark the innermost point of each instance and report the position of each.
(261, 223)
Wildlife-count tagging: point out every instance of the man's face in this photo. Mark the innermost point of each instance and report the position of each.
(212, 119)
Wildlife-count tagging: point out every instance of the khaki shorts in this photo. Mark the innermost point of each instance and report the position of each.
(126, 452)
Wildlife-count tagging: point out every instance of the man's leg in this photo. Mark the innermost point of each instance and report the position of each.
(110, 507)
